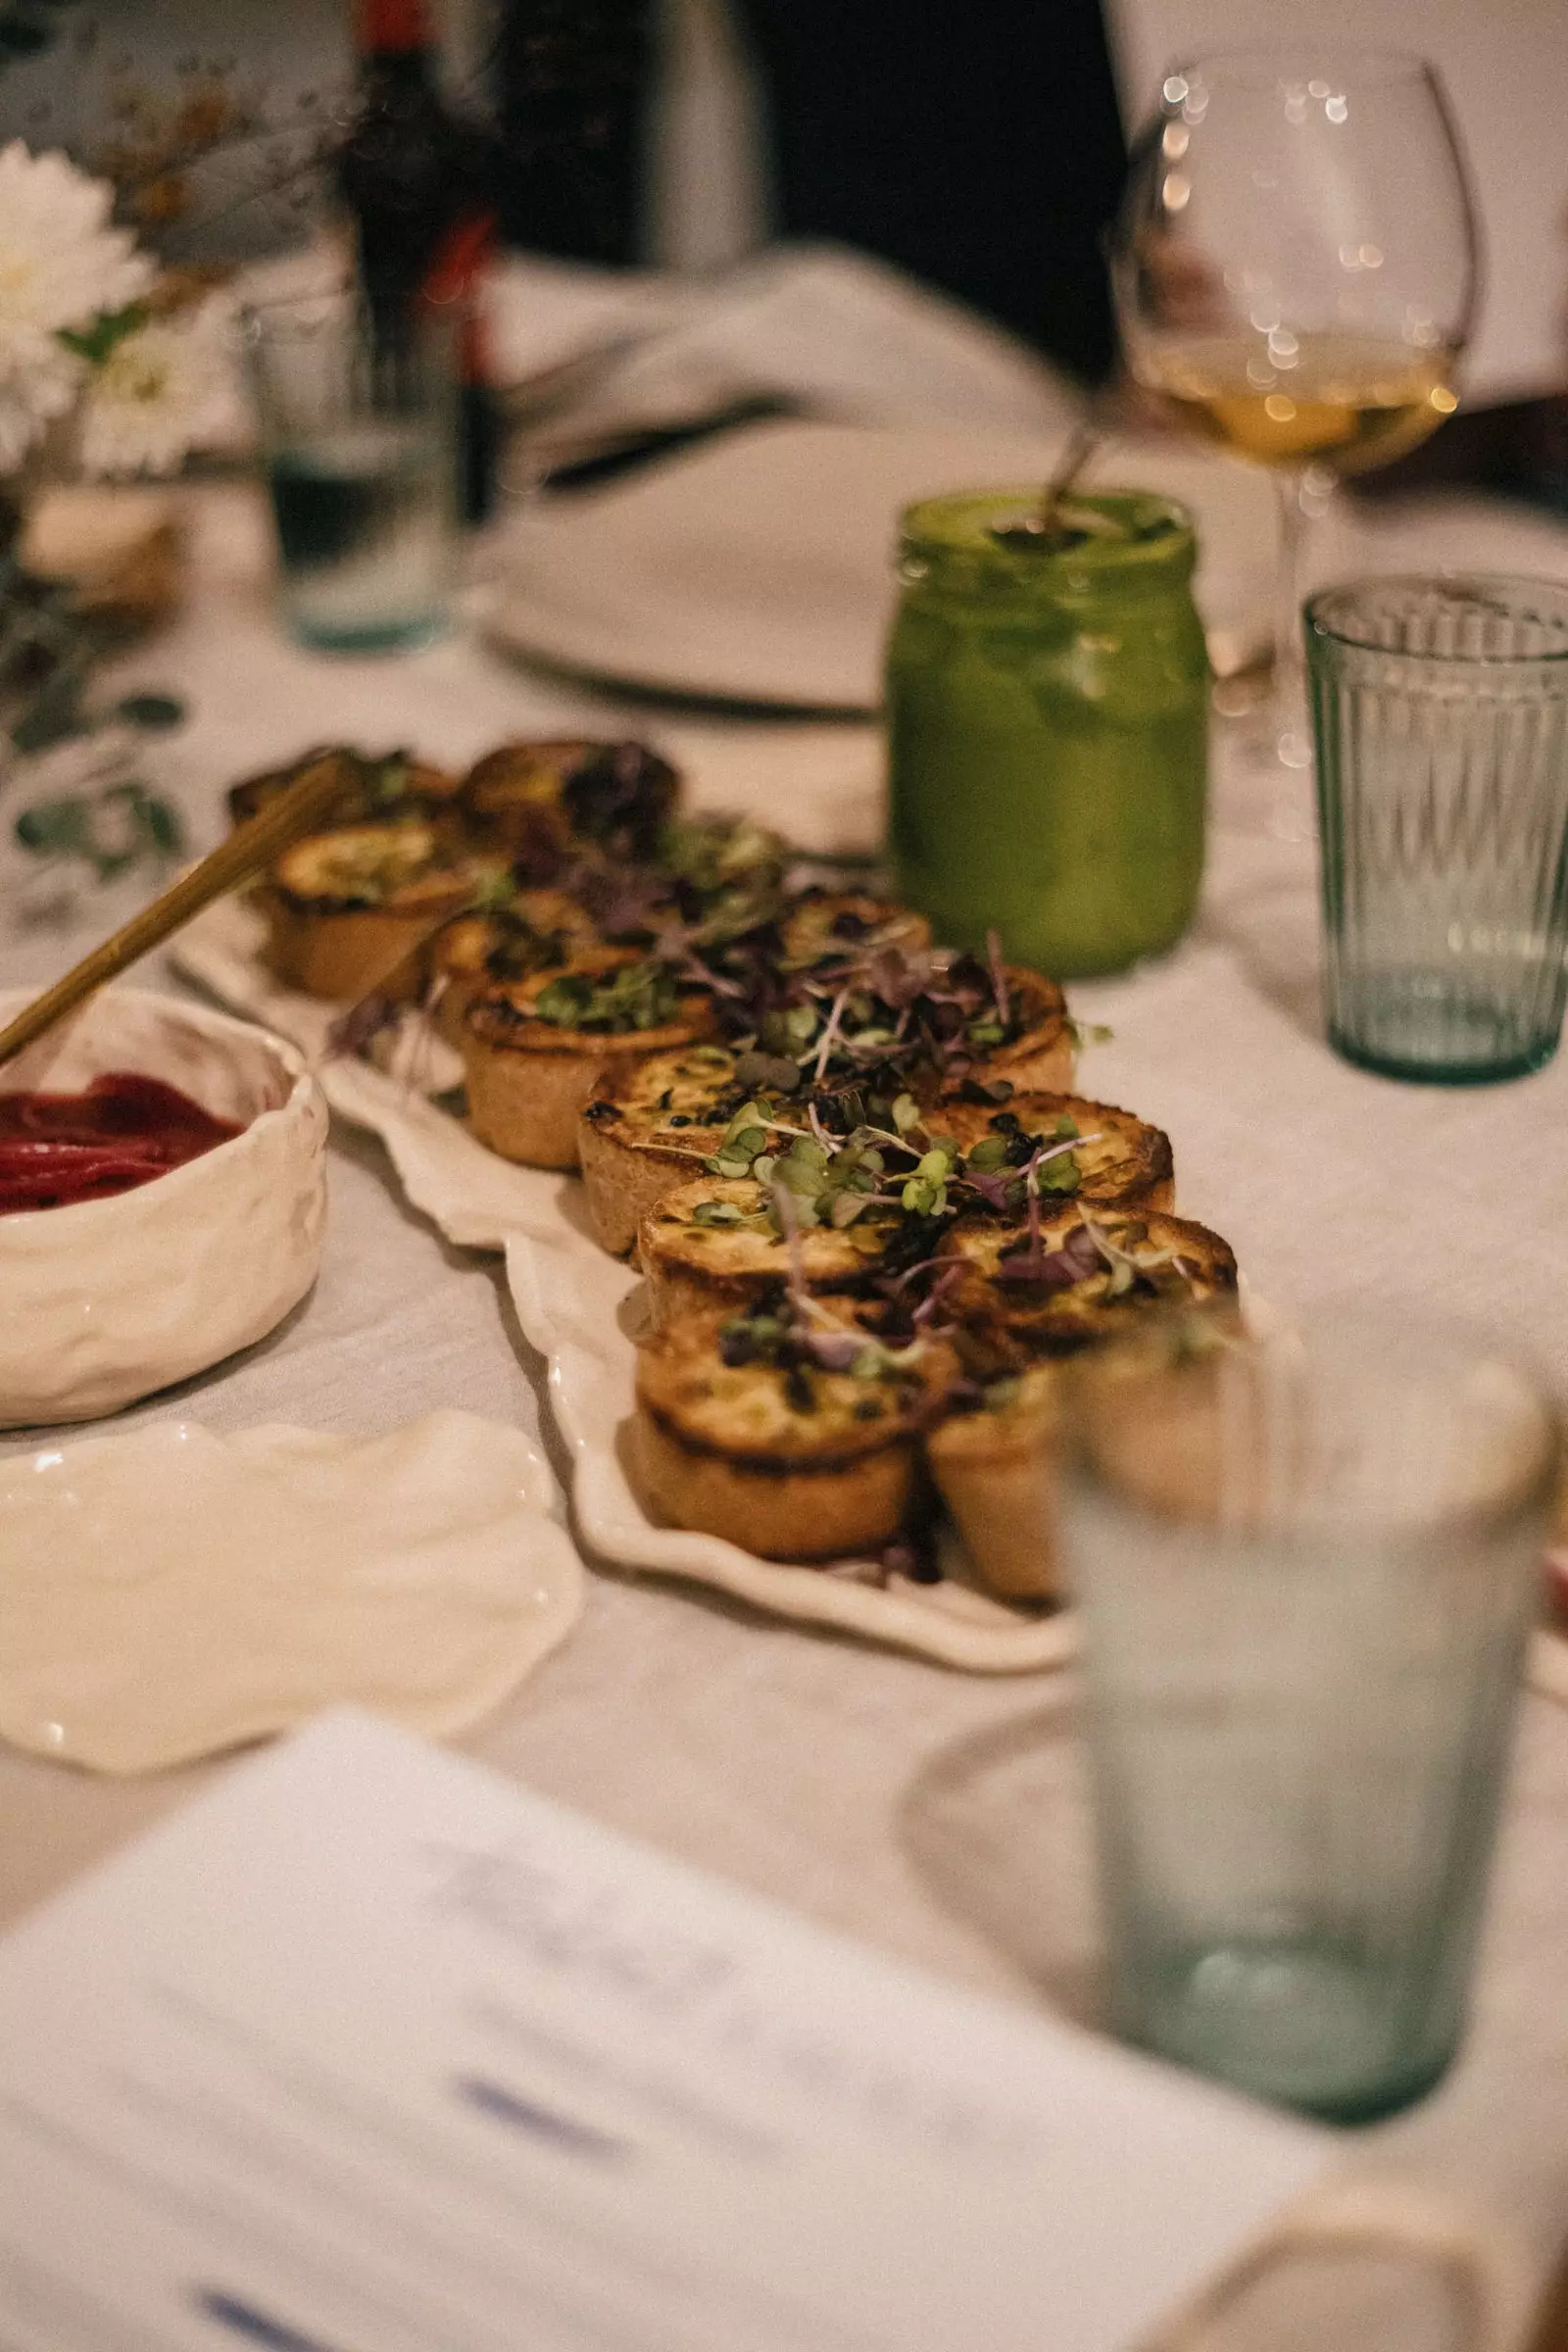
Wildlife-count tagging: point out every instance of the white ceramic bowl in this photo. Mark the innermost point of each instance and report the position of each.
(106, 1301)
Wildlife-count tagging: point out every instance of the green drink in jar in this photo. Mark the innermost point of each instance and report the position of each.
(1046, 711)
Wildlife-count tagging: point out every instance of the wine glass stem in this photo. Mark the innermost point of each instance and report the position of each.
(1287, 696)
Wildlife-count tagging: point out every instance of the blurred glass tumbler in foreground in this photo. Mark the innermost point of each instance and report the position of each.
(1307, 1567)
(1441, 711)
(358, 425)
(1046, 711)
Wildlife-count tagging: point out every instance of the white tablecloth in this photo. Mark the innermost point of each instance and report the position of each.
(778, 1756)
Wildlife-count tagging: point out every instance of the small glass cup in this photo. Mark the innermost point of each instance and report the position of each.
(1306, 1566)
(359, 434)
(1441, 713)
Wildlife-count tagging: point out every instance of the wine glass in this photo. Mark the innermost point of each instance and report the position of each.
(1294, 267)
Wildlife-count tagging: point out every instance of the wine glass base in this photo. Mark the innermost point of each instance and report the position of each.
(1260, 780)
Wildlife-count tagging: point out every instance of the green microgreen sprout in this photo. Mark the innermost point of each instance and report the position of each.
(640, 995)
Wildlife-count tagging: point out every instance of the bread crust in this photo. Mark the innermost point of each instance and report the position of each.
(629, 1154)
(1022, 1321)
(1132, 1163)
(694, 1269)
(718, 1450)
(530, 1081)
(996, 1470)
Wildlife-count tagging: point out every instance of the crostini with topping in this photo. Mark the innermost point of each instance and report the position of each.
(793, 1432)
(543, 801)
(1078, 1150)
(1066, 1277)
(533, 1049)
(349, 911)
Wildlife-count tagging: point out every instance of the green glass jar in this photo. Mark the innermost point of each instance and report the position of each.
(1048, 713)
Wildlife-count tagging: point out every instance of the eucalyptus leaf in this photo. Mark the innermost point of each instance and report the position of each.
(153, 714)
(54, 828)
(53, 716)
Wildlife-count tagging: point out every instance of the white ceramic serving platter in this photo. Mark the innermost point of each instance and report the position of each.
(578, 1306)
(758, 568)
(170, 1593)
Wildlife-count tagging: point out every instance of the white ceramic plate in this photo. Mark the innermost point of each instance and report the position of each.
(575, 1304)
(758, 568)
(173, 1592)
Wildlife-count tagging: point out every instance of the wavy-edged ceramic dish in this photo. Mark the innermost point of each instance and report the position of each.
(171, 1593)
(578, 1306)
(107, 1300)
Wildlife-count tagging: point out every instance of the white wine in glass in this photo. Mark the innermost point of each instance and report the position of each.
(1294, 268)
(1349, 402)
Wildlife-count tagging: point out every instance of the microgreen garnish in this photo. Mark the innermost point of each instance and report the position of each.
(640, 995)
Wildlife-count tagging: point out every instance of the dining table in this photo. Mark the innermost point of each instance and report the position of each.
(933, 1813)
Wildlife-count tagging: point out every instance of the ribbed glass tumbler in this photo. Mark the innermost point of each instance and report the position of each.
(1441, 714)
(1305, 1566)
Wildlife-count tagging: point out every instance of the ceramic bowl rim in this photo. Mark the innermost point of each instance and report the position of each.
(303, 1088)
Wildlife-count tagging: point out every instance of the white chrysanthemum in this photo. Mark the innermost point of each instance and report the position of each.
(38, 381)
(61, 263)
(165, 389)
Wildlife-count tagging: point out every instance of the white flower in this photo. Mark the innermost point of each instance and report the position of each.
(165, 389)
(61, 265)
(38, 380)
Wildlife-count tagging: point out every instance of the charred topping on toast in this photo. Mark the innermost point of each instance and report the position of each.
(370, 866)
(799, 1337)
(376, 786)
(619, 792)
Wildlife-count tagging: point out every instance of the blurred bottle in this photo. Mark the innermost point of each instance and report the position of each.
(409, 168)
(571, 87)
(454, 284)
(418, 180)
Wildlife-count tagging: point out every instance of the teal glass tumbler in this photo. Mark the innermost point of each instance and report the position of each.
(1439, 709)
(1306, 1568)
(357, 429)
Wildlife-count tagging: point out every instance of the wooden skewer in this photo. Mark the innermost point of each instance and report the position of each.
(297, 810)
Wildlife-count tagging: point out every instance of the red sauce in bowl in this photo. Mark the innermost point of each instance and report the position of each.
(56, 1149)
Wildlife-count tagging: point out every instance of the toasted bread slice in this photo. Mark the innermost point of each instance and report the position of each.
(542, 799)
(1089, 1288)
(650, 1126)
(530, 1076)
(537, 931)
(996, 1470)
(1120, 1160)
(829, 926)
(694, 1267)
(348, 910)
(790, 1461)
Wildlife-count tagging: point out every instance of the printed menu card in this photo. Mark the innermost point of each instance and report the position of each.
(367, 2049)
